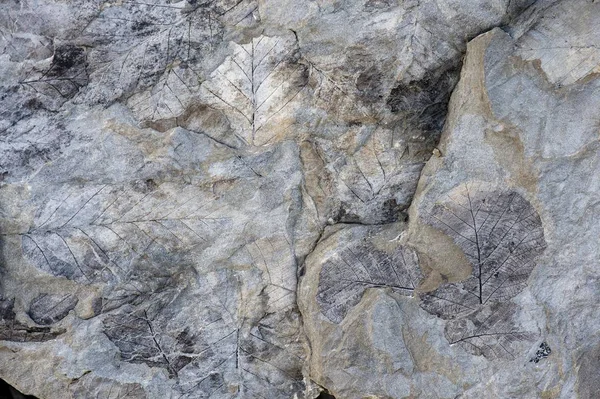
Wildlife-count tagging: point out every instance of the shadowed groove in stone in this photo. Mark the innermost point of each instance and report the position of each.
(9, 392)
(325, 395)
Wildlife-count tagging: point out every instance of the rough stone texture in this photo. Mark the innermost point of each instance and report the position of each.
(265, 199)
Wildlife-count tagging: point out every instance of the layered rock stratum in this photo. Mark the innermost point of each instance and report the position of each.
(278, 199)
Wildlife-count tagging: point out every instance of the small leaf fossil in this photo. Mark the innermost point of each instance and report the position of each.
(256, 83)
(492, 331)
(345, 277)
(47, 309)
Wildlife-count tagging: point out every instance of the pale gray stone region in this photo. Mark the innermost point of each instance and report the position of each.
(210, 199)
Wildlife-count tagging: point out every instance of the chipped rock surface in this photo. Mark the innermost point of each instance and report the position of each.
(270, 199)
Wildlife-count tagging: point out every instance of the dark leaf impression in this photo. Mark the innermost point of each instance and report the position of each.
(501, 234)
(214, 351)
(152, 53)
(425, 101)
(94, 233)
(345, 277)
(139, 339)
(67, 74)
(491, 332)
(48, 309)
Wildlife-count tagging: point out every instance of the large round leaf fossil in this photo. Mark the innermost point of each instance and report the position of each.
(501, 234)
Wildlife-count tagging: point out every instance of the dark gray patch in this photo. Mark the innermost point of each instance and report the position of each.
(543, 352)
(33, 104)
(66, 57)
(344, 216)
(97, 306)
(6, 309)
(138, 26)
(13, 330)
(391, 210)
(48, 309)
(369, 87)
(424, 102)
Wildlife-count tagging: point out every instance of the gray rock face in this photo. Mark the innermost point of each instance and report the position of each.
(265, 199)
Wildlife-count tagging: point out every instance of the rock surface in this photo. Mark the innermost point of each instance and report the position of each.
(267, 199)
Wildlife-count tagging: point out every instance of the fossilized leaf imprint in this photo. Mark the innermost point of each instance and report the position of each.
(155, 49)
(47, 309)
(333, 94)
(91, 386)
(148, 50)
(63, 79)
(345, 277)
(272, 255)
(219, 317)
(213, 352)
(255, 83)
(501, 234)
(492, 331)
(94, 233)
(141, 338)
